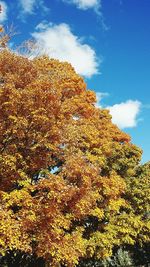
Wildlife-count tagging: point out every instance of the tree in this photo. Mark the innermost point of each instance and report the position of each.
(65, 169)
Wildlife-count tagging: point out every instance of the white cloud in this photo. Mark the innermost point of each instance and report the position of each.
(99, 96)
(3, 14)
(28, 5)
(96, 5)
(125, 114)
(57, 41)
(85, 4)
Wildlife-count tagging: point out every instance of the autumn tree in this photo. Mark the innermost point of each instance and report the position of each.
(68, 175)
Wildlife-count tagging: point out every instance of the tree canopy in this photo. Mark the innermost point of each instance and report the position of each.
(71, 183)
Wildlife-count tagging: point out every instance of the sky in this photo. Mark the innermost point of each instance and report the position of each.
(106, 41)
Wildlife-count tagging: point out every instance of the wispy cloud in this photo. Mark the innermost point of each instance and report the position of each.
(85, 4)
(29, 6)
(3, 14)
(58, 41)
(99, 97)
(96, 5)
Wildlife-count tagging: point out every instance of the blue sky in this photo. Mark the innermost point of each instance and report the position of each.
(107, 42)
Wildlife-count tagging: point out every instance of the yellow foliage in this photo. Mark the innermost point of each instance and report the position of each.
(70, 183)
